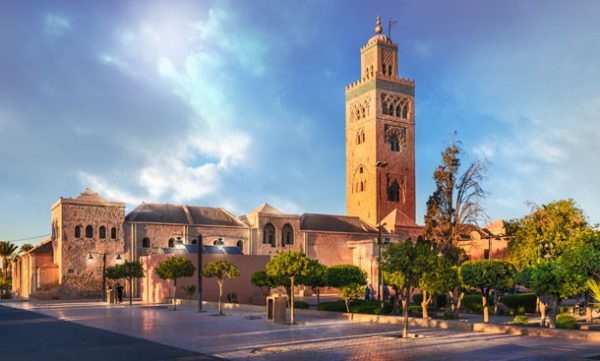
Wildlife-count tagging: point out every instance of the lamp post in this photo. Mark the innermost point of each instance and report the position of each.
(379, 165)
(200, 273)
(91, 257)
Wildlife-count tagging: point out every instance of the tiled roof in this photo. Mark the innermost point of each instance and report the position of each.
(213, 216)
(178, 214)
(334, 223)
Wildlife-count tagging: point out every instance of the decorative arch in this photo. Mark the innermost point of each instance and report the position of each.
(240, 245)
(269, 234)
(102, 232)
(146, 242)
(89, 231)
(113, 233)
(287, 235)
(77, 231)
(171, 242)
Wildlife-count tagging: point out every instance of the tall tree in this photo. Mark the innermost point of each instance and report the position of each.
(26, 247)
(221, 270)
(441, 278)
(455, 203)
(315, 278)
(131, 271)
(486, 275)
(552, 282)
(408, 262)
(347, 278)
(291, 265)
(547, 232)
(7, 250)
(174, 268)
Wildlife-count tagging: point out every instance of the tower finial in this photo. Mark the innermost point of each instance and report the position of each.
(378, 28)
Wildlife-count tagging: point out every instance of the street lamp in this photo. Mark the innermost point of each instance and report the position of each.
(90, 257)
(200, 273)
(379, 165)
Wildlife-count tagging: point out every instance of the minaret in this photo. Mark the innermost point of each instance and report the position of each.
(380, 136)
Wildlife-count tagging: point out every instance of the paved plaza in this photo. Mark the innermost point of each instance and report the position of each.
(247, 336)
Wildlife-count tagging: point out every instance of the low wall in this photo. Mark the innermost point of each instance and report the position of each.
(155, 290)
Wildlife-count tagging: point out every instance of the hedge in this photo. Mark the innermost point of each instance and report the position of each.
(441, 300)
(566, 321)
(516, 302)
(301, 304)
(357, 306)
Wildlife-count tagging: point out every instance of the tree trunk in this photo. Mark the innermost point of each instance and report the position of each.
(542, 307)
(318, 292)
(484, 301)
(461, 295)
(405, 317)
(588, 309)
(553, 309)
(424, 303)
(174, 294)
(130, 291)
(537, 305)
(496, 300)
(220, 297)
(292, 314)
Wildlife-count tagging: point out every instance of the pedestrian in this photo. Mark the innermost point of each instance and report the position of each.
(119, 293)
(371, 292)
(386, 292)
(367, 292)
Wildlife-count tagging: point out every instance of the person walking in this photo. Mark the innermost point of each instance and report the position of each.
(367, 292)
(371, 292)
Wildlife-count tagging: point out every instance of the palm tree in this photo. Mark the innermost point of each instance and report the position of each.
(7, 249)
(26, 248)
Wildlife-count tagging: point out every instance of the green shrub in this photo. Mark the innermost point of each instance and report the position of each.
(357, 306)
(566, 321)
(520, 303)
(449, 315)
(301, 304)
(520, 321)
(472, 303)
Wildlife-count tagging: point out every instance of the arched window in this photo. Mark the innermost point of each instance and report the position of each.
(390, 70)
(171, 242)
(362, 112)
(269, 234)
(89, 231)
(194, 241)
(77, 231)
(146, 242)
(397, 112)
(394, 192)
(360, 170)
(371, 70)
(367, 72)
(405, 111)
(113, 233)
(102, 232)
(240, 245)
(394, 142)
(362, 186)
(287, 235)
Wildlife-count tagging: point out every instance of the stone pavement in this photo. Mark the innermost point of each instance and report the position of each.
(247, 336)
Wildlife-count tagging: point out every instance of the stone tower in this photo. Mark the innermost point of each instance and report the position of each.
(380, 138)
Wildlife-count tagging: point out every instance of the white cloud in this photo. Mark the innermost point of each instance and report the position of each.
(56, 25)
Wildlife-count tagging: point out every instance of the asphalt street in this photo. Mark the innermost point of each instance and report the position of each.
(27, 335)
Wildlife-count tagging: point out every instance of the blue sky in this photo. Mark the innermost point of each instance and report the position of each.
(234, 103)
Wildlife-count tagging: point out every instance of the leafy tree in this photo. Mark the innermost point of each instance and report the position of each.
(262, 280)
(411, 262)
(396, 281)
(486, 275)
(438, 279)
(546, 233)
(552, 282)
(131, 271)
(455, 203)
(347, 278)
(291, 265)
(221, 270)
(26, 247)
(7, 250)
(456, 293)
(315, 278)
(174, 268)
(189, 291)
(584, 261)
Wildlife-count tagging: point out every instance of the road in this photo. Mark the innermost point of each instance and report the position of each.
(27, 335)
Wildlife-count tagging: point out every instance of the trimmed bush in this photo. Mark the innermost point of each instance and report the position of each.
(520, 303)
(357, 306)
(566, 321)
(449, 315)
(472, 303)
(301, 304)
(520, 321)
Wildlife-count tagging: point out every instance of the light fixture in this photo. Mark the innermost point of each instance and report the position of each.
(118, 257)
(90, 257)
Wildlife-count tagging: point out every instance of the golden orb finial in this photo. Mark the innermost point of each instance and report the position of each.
(378, 28)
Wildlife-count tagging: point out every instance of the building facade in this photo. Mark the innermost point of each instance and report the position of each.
(90, 233)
